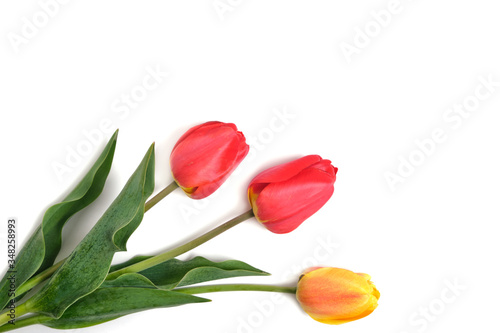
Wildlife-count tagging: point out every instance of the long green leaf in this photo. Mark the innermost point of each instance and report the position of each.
(118, 299)
(129, 280)
(127, 263)
(40, 251)
(87, 266)
(175, 273)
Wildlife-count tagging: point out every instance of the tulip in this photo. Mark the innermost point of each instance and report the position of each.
(336, 296)
(205, 156)
(284, 196)
(281, 198)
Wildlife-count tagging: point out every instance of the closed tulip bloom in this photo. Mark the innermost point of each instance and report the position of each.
(205, 156)
(283, 196)
(336, 296)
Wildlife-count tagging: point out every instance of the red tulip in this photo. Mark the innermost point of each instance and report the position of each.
(205, 156)
(284, 196)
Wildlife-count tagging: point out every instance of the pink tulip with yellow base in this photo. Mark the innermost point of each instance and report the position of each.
(205, 156)
(284, 196)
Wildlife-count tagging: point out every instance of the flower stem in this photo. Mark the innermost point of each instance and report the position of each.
(235, 287)
(158, 259)
(162, 194)
(17, 311)
(26, 321)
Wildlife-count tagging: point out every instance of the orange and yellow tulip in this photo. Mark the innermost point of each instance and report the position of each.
(336, 296)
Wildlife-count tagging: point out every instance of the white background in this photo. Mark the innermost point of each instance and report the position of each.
(245, 63)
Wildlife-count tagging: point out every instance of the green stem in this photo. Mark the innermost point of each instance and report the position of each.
(158, 259)
(157, 198)
(235, 287)
(26, 321)
(17, 311)
(38, 319)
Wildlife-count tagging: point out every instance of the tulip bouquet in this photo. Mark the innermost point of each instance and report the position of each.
(85, 289)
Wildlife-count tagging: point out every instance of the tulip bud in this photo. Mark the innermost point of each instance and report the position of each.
(336, 296)
(205, 156)
(284, 196)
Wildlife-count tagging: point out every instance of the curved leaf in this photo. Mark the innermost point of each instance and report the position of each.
(117, 300)
(87, 266)
(127, 263)
(175, 273)
(129, 280)
(40, 251)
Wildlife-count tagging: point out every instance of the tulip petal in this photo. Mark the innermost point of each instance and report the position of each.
(371, 306)
(365, 276)
(326, 166)
(285, 171)
(207, 125)
(209, 187)
(205, 157)
(310, 269)
(294, 200)
(375, 292)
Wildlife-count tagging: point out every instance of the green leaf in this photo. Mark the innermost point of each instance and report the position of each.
(127, 263)
(175, 273)
(118, 299)
(129, 280)
(40, 251)
(87, 266)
